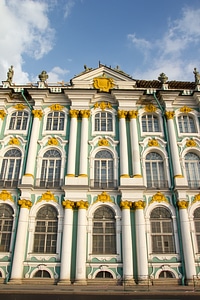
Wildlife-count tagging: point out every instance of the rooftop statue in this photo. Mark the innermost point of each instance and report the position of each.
(43, 76)
(196, 76)
(10, 74)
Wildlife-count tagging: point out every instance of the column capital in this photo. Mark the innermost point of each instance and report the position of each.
(74, 113)
(82, 204)
(68, 204)
(133, 114)
(2, 114)
(25, 203)
(182, 204)
(122, 114)
(85, 113)
(37, 113)
(169, 115)
(140, 204)
(126, 204)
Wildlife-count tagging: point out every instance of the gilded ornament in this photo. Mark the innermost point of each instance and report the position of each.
(150, 108)
(56, 107)
(14, 141)
(68, 204)
(133, 114)
(122, 114)
(103, 142)
(85, 113)
(153, 142)
(53, 141)
(182, 204)
(37, 113)
(159, 197)
(19, 106)
(185, 109)
(104, 197)
(169, 115)
(47, 196)
(25, 203)
(2, 114)
(103, 105)
(196, 198)
(139, 204)
(5, 195)
(74, 113)
(191, 143)
(82, 204)
(126, 204)
(103, 84)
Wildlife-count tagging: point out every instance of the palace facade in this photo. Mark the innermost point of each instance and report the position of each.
(100, 180)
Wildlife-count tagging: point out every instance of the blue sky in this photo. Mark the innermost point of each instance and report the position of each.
(142, 37)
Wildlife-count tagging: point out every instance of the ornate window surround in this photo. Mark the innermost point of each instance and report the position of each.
(48, 110)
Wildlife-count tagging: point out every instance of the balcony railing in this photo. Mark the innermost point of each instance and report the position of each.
(57, 183)
(97, 184)
(194, 184)
(9, 183)
(157, 184)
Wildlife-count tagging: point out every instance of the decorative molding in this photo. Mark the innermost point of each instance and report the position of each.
(169, 115)
(191, 143)
(140, 204)
(196, 198)
(85, 113)
(102, 105)
(53, 141)
(185, 109)
(150, 108)
(153, 143)
(74, 113)
(103, 142)
(5, 195)
(19, 106)
(126, 204)
(182, 204)
(103, 84)
(68, 204)
(2, 114)
(82, 204)
(132, 114)
(56, 107)
(47, 196)
(37, 113)
(25, 203)
(14, 141)
(103, 197)
(159, 197)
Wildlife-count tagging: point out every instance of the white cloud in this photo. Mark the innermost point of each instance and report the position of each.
(56, 74)
(172, 54)
(25, 29)
(68, 8)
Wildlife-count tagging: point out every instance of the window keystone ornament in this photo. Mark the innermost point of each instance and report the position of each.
(56, 107)
(5, 195)
(185, 109)
(159, 197)
(103, 84)
(191, 143)
(48, 196)
(196, 198)
(102, 105)
(14, 141)
(182, 204)
(104, 197)
(53, 141)
(19, 106)
(150, 108)
(2, 114)
(103, 142)
(153, 143)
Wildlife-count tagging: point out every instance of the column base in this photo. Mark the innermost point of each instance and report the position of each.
(64, 282)
(15, 281)
(129, 282)
(80, 282)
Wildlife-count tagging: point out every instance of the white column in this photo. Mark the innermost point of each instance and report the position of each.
(81, 243)
(141, 245)
(83, 169)
(135, 144)
(66, 243)
(32, 150)
(124, 172)
(127, 251)
(188, 252)
(20, 244)
(173, 144)
(72, 143)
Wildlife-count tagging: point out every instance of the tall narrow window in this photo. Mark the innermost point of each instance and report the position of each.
(6, 224)
(197, 227)
(10, 168)
(104, 233)
(162, 231)
(45, 237)
(192, 166)
(18, 120)
(186, 124)
(103, 170)
(155, 171)
(51, 169)
(150, 123)
(55, 121)
(103, 121)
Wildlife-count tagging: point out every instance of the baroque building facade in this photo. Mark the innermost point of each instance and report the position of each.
(99, 180)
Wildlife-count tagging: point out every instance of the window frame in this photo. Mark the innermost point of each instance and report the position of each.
(105, 111)
(157, 115)
(47, 112)
(10, 237)
(192, 168)
(20, 131)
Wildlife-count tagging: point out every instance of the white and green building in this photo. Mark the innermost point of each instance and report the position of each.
(100, 180)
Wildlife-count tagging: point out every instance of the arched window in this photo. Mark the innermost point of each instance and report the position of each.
(45, 237)
(197, 226)
(186, 124)
(104, 274)
(55, 121)
(166, 274)
(42, 274)
(6, 224)
(10, 168)
(103, 121)
(155, 174)
(104, 233)
(51, 169)
(103, 170)
(162, 234)
(192, 167)
(150, 123)
(18, 120)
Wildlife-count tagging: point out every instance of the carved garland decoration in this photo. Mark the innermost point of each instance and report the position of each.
(48, 196)
(5, 195)
(159, 197)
